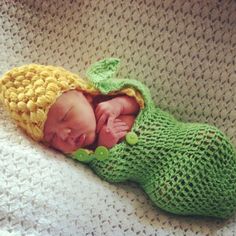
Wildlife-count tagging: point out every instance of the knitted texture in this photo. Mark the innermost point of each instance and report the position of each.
(184, 52)
(29, 91)
(185, 168)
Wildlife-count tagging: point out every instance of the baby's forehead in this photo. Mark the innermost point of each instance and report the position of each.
(65, 98)
(60, 105)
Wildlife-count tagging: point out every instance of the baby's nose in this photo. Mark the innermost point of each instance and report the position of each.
(64, 133)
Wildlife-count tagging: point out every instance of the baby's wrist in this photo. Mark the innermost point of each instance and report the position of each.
(117, 105)
(105, 139)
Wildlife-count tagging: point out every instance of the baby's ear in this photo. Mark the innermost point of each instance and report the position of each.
(102, 70)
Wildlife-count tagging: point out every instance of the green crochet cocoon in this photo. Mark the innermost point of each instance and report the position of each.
(185, 168)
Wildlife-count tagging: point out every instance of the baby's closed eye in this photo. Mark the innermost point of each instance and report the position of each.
(66, 115)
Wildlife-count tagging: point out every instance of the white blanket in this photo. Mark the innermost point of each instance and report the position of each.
(185, 53)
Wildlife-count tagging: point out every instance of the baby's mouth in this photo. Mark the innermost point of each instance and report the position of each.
(79, 141)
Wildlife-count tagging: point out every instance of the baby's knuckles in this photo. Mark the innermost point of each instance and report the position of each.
(107, 137)
(111, 107)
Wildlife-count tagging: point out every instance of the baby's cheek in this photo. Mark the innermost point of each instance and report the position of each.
(74, 123)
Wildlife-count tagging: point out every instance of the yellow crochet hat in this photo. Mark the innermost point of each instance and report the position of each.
(29, 91)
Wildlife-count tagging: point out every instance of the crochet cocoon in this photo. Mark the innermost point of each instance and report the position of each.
(185, 168)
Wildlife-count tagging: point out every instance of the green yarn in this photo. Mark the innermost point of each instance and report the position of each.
(185, 168)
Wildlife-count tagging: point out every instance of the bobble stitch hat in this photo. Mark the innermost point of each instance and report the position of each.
(29, 91)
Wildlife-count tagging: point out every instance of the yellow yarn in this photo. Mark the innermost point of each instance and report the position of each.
(29, 91)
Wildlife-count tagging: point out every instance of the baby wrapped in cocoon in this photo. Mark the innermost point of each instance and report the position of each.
(78, 120)
(114, 127)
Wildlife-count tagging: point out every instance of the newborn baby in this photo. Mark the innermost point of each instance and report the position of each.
(185, 168)
(76, 119)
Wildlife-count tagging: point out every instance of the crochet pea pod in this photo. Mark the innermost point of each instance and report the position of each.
(185, 168)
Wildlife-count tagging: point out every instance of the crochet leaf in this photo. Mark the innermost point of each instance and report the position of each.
(102, 70)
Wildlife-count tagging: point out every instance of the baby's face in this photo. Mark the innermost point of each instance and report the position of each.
(70, 123)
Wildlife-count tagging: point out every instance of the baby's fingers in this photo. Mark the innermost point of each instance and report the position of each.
(110, 121)
(101, 122)
(121, 134)
(116, 121)
(120, 124)
(120, 128)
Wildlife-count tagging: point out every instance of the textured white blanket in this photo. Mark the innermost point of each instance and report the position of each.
(184, 51)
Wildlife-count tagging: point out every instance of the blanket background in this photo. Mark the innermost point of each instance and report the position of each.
(184, 51)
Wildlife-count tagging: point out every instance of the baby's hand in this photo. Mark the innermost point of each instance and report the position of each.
(105, 110)
(111, 133)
